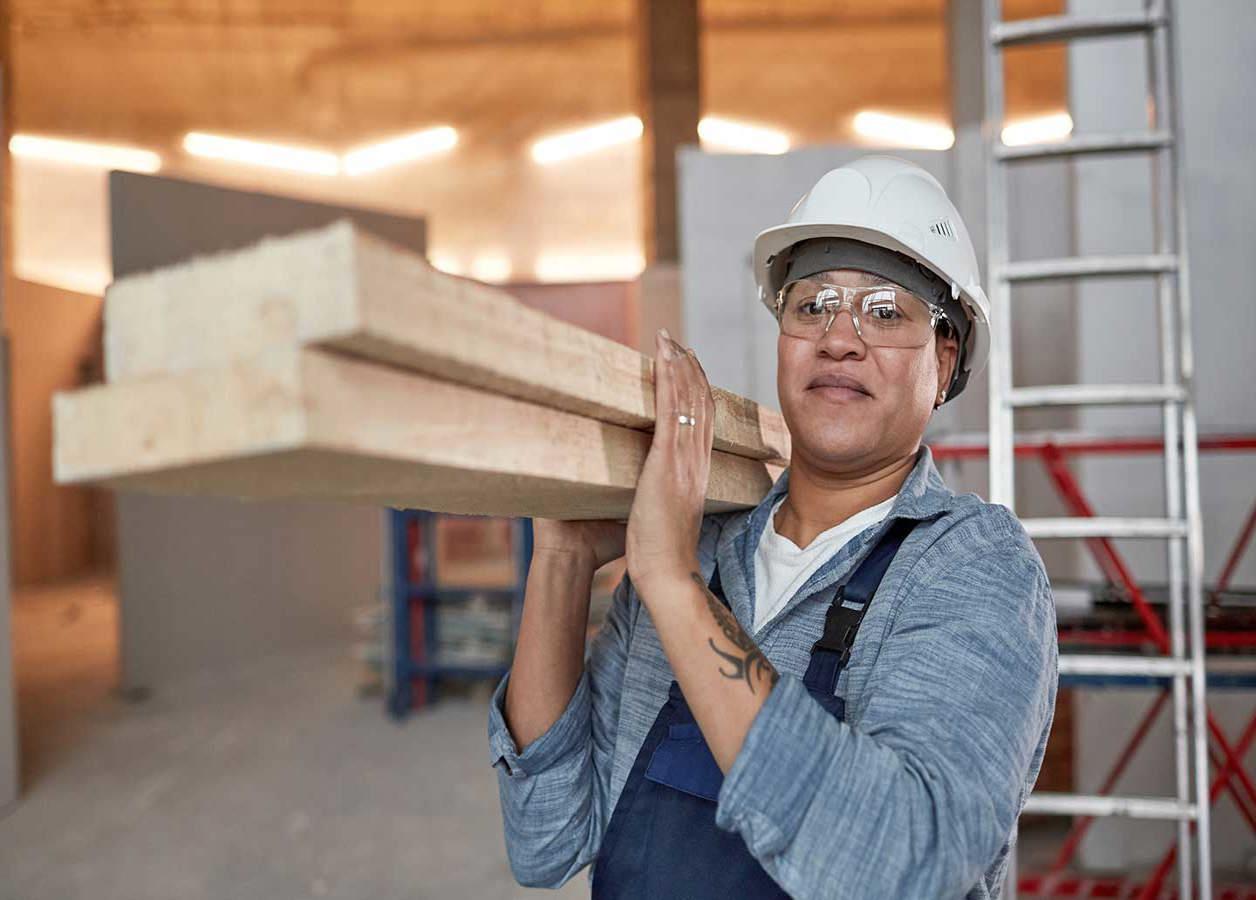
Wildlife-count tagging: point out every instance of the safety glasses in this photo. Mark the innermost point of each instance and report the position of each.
(885, 315)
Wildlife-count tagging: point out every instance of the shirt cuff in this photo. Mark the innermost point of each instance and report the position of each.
(773, 780)
(569, 731)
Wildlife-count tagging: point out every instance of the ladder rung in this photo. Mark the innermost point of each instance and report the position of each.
(1065, 28)
(1095, 805)
(1096, 664)
(1104, 526)
(1082, 266)
(1095, 394)
(1133, 142)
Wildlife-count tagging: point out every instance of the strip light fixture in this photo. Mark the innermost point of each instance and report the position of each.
(445, 262)
(740, 137)
(576, 265)
(86, 279)
(492, 266)
(903, 131)
(257, 153)
(583, 141)
(84, 153)
(407, 148)
(1038, 130)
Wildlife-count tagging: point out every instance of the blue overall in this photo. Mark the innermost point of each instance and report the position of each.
(662, 841)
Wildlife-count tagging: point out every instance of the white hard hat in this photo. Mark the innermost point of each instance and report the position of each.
(892, 203)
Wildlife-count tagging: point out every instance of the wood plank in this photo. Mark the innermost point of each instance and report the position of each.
(309, 423)
(340, 289)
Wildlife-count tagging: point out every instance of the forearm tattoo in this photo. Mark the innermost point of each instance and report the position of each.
(747, 660)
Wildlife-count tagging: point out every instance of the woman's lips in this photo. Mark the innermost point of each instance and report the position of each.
(837, 394)
(839, 380)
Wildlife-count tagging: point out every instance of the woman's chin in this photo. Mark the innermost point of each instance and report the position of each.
(835, 442)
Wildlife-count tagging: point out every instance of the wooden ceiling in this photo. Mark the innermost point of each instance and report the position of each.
(335, 74)
(340, 73)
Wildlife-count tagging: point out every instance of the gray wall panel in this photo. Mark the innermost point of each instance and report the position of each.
(206, 583)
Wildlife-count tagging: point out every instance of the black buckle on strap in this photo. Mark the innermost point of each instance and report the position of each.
(841, 624)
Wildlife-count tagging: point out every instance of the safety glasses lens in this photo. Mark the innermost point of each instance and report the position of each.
(885, 316)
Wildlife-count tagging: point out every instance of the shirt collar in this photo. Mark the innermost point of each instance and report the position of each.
(922, 495)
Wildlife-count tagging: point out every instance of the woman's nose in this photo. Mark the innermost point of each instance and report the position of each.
(842, 335)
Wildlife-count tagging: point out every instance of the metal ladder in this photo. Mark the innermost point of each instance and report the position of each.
(1181, 526)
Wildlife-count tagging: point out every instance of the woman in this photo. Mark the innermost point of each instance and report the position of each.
(727, 734)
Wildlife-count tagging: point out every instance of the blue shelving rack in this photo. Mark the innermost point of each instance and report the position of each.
(415, 674)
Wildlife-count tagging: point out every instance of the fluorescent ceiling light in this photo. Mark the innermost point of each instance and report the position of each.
(739, 137)
(406, 148)
(586, 140)
(574, 265)
(1038, 130)
(902, 131)
(80, 280)
(493, 267)
(256, 153)
(445, 263)
(82, 153)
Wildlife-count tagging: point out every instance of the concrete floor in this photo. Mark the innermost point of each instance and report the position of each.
(274, 780)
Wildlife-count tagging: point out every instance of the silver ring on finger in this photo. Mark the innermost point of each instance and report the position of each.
(686, 420)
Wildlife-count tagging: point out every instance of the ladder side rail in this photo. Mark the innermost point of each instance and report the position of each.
(1162, 223)
(1001, 476)
(1000, 459)
(1166, 44)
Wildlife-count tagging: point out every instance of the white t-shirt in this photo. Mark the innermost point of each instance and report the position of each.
(781, 568)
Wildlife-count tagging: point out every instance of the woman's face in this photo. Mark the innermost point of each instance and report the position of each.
(848, 430)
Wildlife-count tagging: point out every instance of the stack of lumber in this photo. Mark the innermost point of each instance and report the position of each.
(332, 365)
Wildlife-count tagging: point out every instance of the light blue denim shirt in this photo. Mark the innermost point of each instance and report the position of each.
(949, 696)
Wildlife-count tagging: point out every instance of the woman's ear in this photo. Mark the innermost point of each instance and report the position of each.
(947, 348)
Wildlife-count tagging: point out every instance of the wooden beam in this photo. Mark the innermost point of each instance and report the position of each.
(669, 78)
(341, 289)
(293, 422)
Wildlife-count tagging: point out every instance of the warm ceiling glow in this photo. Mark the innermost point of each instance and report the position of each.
(574, 265)
(492, 266)
(82, 153)
(406, 148)
(739, 137)
(901, 131)
(256, 153)
(586, 140)
(1038, 130)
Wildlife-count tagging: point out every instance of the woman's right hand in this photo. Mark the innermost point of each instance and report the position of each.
(595, 541)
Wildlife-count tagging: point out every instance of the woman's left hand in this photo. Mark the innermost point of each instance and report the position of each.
(666, 514)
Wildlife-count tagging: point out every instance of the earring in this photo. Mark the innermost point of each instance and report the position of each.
(941, 400)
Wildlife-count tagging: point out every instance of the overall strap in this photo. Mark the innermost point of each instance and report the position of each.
(717, 587)
(851, 599)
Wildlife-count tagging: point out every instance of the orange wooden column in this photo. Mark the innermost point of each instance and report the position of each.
(669, 102)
